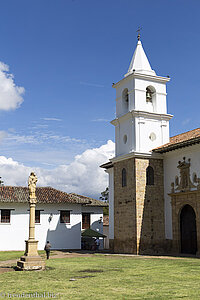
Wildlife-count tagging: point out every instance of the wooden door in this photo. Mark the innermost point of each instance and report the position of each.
(188, 230)
(85, 220)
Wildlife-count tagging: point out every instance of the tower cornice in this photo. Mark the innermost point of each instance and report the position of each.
(141, 76)
(144, 114)
(135, 155)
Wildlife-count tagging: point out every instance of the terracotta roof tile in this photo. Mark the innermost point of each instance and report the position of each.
(88, 201)
(44, 195)
(180, 140)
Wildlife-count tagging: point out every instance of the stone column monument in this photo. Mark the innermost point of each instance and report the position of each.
(31, 259)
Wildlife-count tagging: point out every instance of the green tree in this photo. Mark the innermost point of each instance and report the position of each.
(105, 197)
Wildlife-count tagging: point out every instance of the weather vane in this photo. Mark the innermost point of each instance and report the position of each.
(138, 36)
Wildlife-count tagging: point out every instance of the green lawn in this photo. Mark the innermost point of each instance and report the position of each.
(7, 255)
(110, 277)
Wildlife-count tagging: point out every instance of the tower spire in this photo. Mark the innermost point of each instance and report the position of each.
(139, 62)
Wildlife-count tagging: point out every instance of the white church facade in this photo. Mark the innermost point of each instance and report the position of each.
(154, 180)
(59, 218)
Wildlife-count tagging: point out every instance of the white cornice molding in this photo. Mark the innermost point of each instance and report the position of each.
(141, 76)
(136, 155)
(122, 80)
(151, 115)
(144, 114)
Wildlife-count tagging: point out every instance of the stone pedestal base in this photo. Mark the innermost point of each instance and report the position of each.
(30, 263)
(31, 260)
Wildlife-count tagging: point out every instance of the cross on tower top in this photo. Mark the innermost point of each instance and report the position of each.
(138, 36)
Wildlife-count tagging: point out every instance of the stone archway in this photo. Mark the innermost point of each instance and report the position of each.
(188, 230)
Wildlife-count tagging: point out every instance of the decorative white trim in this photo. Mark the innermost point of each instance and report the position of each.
(142, 76)
(136, 154)
(145, 114)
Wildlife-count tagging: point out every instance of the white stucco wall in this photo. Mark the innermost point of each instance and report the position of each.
(138, 128)
(171, 171)
(111, 203)
(127, 84)
(141, 119)
(137, 95)
(60, 235)
(14, 234)
(159, 104)
(147, 126)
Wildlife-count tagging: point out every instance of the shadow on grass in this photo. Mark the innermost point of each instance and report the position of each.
(107, 252)
(170, 256)
(81, 251)
(86, 276)
(91, 271)
(4, 269)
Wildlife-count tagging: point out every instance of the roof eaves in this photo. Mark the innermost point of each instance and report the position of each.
(178, 145)
(107, 165)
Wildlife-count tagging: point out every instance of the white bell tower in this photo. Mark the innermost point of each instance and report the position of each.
(142, 122)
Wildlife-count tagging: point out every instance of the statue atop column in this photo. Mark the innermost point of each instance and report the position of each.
(31, 259)
(32, 180)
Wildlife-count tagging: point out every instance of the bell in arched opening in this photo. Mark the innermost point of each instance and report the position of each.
(148, 95)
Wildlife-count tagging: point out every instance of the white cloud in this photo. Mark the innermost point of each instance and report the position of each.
(22, 139)
(51, 119)
(3, 135)
(10, 94)
(38, 138)
(186, 121)
(82, 175)
(100, 120)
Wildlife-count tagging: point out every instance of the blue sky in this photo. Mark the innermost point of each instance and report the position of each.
(66, 55)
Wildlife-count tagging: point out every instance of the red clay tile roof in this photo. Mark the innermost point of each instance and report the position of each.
(88, 201)
(105, 220)
(44, 195)
(181, 140)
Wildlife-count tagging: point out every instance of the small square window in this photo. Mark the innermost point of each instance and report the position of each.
(37, 216)
(64, 216)
(5, 215)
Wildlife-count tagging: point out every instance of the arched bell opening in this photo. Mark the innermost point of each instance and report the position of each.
(125, 100)
(151, 98)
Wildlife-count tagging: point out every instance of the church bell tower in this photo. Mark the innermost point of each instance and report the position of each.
(141, 122)
(136, 176)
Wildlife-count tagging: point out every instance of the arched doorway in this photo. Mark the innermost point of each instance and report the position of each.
(188, 230)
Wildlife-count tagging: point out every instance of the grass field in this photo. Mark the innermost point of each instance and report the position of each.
(7, 255)
(109, 277)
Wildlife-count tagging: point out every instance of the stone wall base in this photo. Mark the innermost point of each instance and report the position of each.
(111, 245)
(154, 248)
(125, 246)
(157, 248)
